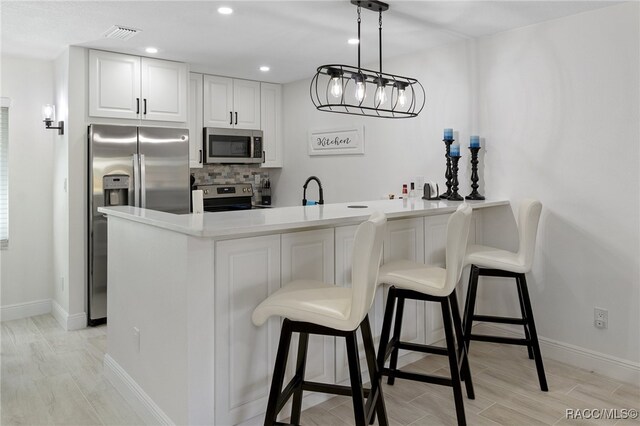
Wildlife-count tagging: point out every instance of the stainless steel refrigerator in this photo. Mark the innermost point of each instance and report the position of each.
(145, 167)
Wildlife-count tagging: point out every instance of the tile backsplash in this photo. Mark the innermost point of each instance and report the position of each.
(223, 174)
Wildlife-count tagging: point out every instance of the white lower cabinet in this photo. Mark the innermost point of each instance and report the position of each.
(246, 271)
(405, 240)
(435, 237)
(310, 255)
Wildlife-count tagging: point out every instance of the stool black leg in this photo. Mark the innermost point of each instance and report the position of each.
(470, 307)
(296, 408)
(375, 396)
(397, 330)
(522, 284)
(357, 393)
(386, 328)
(462, 346)
(278, 373)
(525, 326)
(453, 361)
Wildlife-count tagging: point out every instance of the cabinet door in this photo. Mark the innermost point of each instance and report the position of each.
(271, 123)
(164, 90)
(246, 103)
(218, 101)
(310, 255)
(196, 154)
(404, 239)
(246, 271)
(344, 236)
(114, 85)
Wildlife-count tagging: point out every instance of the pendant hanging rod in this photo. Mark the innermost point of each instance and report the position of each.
(380, 39)
(359, 43)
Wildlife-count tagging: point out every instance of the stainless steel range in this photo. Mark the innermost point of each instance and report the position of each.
(219, 198)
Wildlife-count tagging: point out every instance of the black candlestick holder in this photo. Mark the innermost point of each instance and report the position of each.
(447, 173)
(475, 195)
(454, 196)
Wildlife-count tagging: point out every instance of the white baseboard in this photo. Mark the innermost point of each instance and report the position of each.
(133, 394)
(607, 365)
(25, 310)
(68, 322)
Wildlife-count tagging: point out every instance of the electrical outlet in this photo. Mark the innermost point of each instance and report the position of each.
(600, 318)
(136, 339)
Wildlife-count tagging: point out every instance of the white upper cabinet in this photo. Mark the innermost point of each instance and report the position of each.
(125, 86)
(164, 90)
(246, 103)
(218, 101)
(271, 123)
(231, 103)
(114, 85)
(196, 154)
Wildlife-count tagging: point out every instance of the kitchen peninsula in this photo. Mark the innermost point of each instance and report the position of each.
(181, 344)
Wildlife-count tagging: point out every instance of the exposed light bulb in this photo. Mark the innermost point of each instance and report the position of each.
(402, 98)
(336, 87)
(360, 91)
(381, 95)
(353, 41)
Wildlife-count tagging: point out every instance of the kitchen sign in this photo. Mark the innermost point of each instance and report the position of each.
(342, 141)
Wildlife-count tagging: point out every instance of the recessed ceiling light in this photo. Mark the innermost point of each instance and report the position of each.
(264, 68)
(225, 10)
(151, 50)
(353, 41)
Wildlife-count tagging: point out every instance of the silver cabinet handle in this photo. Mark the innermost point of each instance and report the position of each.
(143, 185)
(136, 181)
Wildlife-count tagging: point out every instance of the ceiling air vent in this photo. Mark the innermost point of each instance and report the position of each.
(120, 33)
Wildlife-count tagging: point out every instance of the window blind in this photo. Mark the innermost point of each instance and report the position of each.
(4, 176)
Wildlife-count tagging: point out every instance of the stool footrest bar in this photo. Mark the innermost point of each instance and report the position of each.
(499, 339)
(425, 378)
(331, 389)
(427, 349)
(287, 392)
(501, 320)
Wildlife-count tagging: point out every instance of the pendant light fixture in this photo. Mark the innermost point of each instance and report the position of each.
(346, 89)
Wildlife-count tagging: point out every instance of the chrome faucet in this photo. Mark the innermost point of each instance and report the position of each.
(304, 193)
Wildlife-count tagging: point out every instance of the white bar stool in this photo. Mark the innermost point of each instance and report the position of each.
(313, 307)
(492, 262)
(416, 281)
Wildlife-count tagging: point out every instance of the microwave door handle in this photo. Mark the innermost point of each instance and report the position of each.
(136, 180)
(143, 185)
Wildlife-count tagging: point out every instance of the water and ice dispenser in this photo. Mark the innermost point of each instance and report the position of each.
(116, 190)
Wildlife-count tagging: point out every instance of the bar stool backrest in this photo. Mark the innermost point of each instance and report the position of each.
(528, 219)
(457, 237)
(367, 252)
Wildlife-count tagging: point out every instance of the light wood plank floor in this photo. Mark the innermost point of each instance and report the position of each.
(50, 376)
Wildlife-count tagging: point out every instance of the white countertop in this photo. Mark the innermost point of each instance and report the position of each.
(277, 219)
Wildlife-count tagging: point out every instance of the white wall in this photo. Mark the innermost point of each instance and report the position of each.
(557, 106)
(26, 266)
(395, 150)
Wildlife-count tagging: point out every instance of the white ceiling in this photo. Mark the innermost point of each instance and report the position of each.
(292, 37)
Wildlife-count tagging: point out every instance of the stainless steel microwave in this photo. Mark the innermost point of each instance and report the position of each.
(232, 146)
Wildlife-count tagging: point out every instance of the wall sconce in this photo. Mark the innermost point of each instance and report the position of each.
(49, 116)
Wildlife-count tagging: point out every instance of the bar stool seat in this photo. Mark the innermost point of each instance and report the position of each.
(494, 258)
(417, 281)
(313, 307)
(492, 262)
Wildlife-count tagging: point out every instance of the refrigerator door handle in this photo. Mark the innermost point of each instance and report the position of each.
(143, 186)
(136, 181)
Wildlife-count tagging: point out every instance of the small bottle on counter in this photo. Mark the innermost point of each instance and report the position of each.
(412, 193)
(404, 191)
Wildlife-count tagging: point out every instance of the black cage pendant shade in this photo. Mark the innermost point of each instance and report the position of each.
(346, 89)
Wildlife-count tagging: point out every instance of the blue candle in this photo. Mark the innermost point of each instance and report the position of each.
(455, 150)
(448, 133)
(475, 142)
